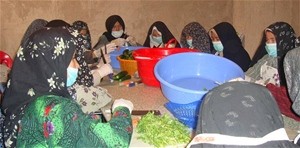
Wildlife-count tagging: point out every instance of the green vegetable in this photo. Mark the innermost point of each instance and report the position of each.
(127, 55)
(120, 75)
(162, 131)
(127, 77)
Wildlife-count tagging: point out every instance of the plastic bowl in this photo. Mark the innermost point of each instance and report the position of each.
(147, 58)
(128, 65)
(187, 77)
(114, 55)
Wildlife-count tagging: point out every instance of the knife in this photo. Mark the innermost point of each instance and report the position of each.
(144, 112)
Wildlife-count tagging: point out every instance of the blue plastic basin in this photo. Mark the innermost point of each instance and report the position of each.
(187, 77)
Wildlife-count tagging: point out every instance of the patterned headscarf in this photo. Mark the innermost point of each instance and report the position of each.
(34, 26)
(80, 25)
(285, 39)
(85, 76)
(233, 48)
(200, 37)
(241, 109)
(292, 74)
(166, 33)
(40, 68)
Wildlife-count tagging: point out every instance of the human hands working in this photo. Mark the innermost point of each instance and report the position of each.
(101, 62)
(131, 40)
(109, 48)
(104, 70)
(119, 42)
(122, 102)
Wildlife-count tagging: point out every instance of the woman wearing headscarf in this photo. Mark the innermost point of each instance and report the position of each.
(115, 33)
(159, 35)
(35, 25)
(288, 97)
(57, 23)
(292, 71)
(240, 114)
(194, 36)
(227, 44)
(38, 108)
(280, 38)
(83, 29)
(85, 91)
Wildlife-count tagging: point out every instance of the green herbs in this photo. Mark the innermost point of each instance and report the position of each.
(127, 55)
(162, 131)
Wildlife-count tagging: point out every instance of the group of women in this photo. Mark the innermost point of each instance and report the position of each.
(55, 104)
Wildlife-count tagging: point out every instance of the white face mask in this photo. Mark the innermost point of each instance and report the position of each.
(117, 34)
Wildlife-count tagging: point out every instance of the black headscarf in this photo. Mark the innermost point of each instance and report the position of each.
(109, 24)
(57, 23)
(241, 109)
(40, 68)
(79, 25)
(200, 37)
(233, 48)
(165, 32)
(35, 25)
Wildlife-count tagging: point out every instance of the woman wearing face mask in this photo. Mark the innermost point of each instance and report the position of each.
(159, 35)
(38, 108)
(280, 38)
(93, 56)
(115, 33)
(85, 91)
(227, 44)
(194, 36)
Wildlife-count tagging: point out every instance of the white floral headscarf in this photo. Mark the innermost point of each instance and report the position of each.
(39, 68)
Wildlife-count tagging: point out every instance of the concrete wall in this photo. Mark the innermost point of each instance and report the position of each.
(249, 17)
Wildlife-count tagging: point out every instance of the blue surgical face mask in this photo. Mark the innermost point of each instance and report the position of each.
(190, 42)
(218, 46)
(117, 34)
(72, 76)
(271, 49)
(157, 39)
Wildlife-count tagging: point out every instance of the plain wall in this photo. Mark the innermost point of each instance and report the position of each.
(249, 17)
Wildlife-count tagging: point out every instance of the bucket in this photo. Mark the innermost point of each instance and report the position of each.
(147, 58)
(128, 65)
(115, 64)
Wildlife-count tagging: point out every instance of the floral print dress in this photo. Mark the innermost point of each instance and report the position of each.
(53, 121)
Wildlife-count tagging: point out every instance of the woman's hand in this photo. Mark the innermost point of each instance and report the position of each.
(122, 102)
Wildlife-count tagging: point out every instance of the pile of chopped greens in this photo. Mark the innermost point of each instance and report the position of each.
(162, 131)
